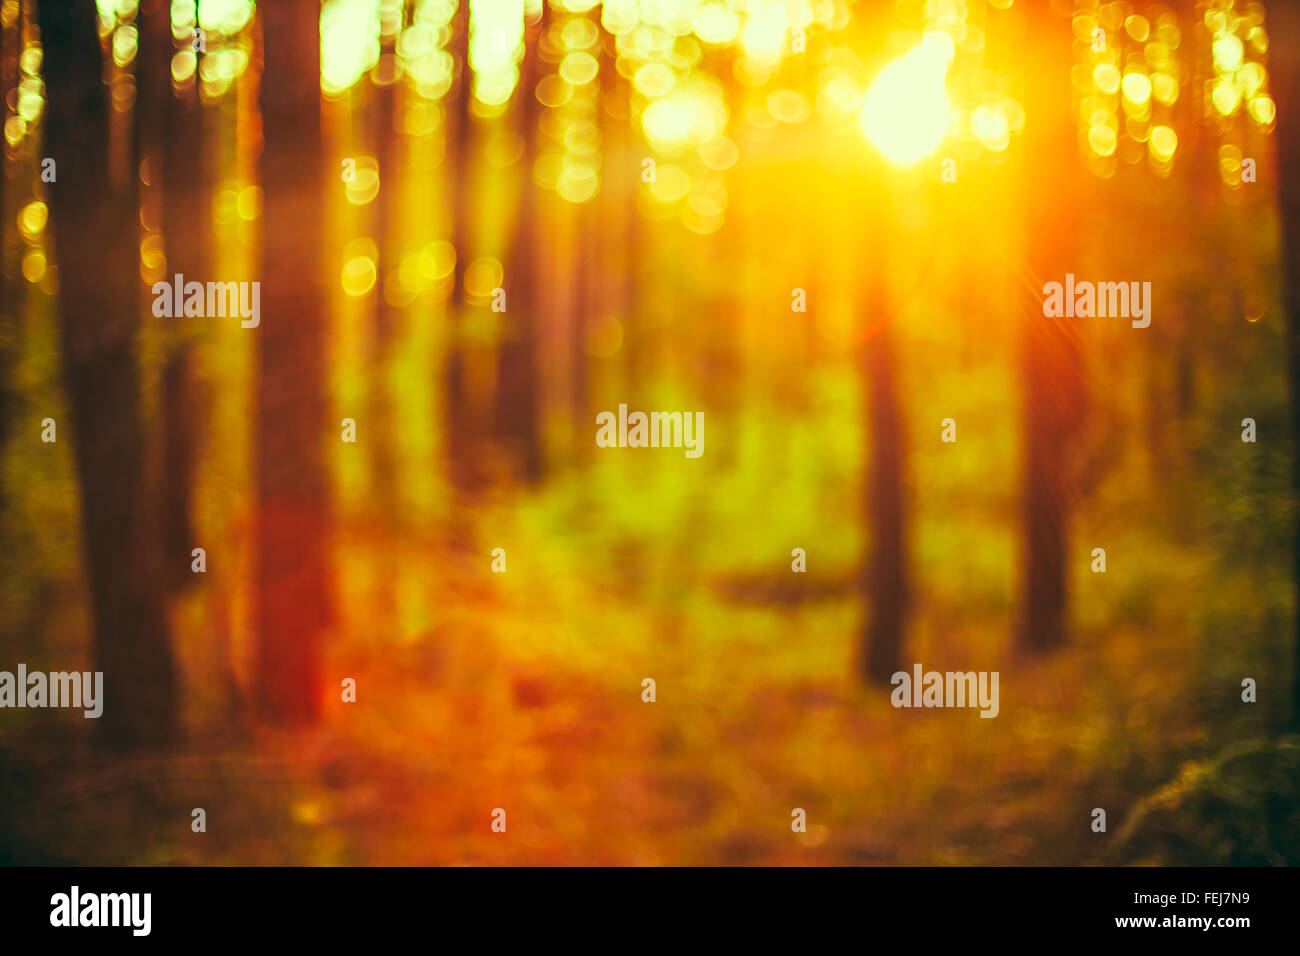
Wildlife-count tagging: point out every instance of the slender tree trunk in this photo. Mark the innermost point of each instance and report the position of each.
(293, 590)
(885, 577)
(1049, 354)
(173, 142)
(457, 413)
(10, 46)
(1284, 64)
(382, 428)
(185, 222)
(584, 255)
(623, 180)
(1203, 185)
(13, 285)
(518, 387)
(885, 581)
(96, 240)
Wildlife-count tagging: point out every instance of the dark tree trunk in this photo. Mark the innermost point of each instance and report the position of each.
(885, 578)
(1204, 186)
(1049, 354)
(518, 387)
(293, 592)
(1284, 63)
(185, 221)
(584, 281)
(592, 264)
(625, 179)
(174, 144)
(457, 413)
(10, 286)
(95, 236)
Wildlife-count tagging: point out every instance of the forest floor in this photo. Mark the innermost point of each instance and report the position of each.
(524, 693)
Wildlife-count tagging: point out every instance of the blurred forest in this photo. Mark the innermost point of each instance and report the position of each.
(825, 224)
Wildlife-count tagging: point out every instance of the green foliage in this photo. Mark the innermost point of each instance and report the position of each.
(1239, 808)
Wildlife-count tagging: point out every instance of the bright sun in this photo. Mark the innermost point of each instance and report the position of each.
(905, 112)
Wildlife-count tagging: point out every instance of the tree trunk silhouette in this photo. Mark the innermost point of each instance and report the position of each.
(173, 125)
(1201, 175)
(624, 178)
(584, 256)
(518, 387)
(94, 226)
(1051, 376)
(885, 576)
(457, 414)
(12, 291)
(292, 553)
(1284, 64)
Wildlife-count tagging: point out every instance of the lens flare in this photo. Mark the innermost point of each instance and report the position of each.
(906, 111)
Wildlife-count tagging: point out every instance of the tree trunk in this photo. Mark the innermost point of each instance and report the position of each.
(95, 236)
(584, 253)
(1050, 359)
(10, 287)
(457, 413)
(382, 426)
(292, 558)
(185, 222)
(1284, 64)
(173, 142)
(884, 576)
(518, 388)
(885, 579)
